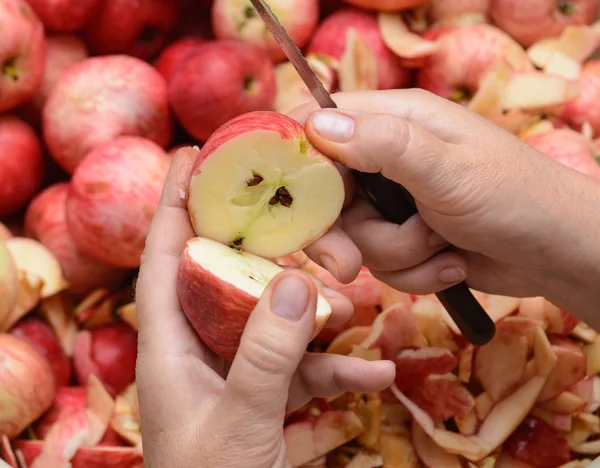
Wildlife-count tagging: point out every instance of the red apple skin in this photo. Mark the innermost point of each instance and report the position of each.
(386, 5)
(568, 147)
(67, 400)
(64, 15)
(112, 198)
(298, 17)
(528, 21)
(140, 28)
(22, 51)
(584, 109)
(101, 98)
(26, 385)
(113, 352)
(45, 220)
(21, 164)
(446, 9)
(62, 52)
(42, 338)
(210, 87)
(173, 55)
(194, 20)
(465, 56)
(330, 39)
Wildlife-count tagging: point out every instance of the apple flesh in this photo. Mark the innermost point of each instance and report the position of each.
(260, 186)
(112, 199)
(219, 287)
(101, 98)
(9, 283)
(386, 5)
(21, 164)
(218, 81)
(174, 54)
(21, 53)
(87, 457)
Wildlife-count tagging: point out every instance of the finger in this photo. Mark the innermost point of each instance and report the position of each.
(342, 308)
(437, 274)
(271, 348)
(387, 246)
(328, 375)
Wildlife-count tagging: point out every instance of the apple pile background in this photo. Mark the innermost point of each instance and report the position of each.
(95, 98)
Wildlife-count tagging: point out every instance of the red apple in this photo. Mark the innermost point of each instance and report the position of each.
(62, 52)
(42, 338)
(21, 164)
(45, 220)
(194, 20)
(113, 195)
(218, 81)
(531, 20)
(330, 40)
(64, 15)
(387, 5)
(101, 98)
(174, 54)
(22, 52)
(108, 352)
(583, 109)
(232, 19)
(26, 385)
(140, 28)
(67, 401)
(219, 287)
(465, 57)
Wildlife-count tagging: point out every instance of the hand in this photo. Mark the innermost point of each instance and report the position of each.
(514, 214)
(195, 411)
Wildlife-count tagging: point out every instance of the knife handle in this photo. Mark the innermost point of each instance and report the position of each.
(397, 205)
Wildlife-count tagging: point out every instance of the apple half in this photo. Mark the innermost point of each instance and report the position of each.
(258, 185)
(219, 286)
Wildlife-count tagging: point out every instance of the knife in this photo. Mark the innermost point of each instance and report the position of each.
(392, 200)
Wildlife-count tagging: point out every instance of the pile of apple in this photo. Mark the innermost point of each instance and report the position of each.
(95, 98)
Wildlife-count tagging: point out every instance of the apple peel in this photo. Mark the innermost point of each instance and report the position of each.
(430, 453)
(414, 366)
(57, 310)
(358, 70)
(401, 40)
(125, 420)
(28, 297)
(127, 313)
(538, 91)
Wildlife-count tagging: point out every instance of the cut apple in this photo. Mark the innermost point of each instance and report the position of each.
(219, 286)
(488, 99)
(9, 283)
(358, 69)
(28, 297)
(537, 90)
(258, 185)
(570, 368)
(401, 40)
(57, 310)
(414, 366)
(442, 397)
(430, 453)
(345, 342)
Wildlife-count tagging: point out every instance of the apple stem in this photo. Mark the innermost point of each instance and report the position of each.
(9, 69)
(566, 7)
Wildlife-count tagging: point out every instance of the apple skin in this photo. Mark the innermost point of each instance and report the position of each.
(140, 28)
(172, 55)
(445, 9)
(22, 51)
(101, 98)
(330, 39)
(67, 400)
(528, 21)
(45, 220)
(386, 5)
(110, 353)
(584, 109)
(26, 385)
(9, 282)
(64, 15)
(21, 164)
(210, 87)
(298, 17)
(465, 56)
(42, 338)
(113, 195)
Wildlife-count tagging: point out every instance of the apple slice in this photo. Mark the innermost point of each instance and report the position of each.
(537, 90)
(430, 453)
(442, 397)
(219, 286)
(414, 366)
(260, 186)
(344, 342)
(570, 369)
(401, 40)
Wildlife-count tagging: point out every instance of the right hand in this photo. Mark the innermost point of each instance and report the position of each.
(514, 213)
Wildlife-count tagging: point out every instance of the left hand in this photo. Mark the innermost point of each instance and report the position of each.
(195, 411)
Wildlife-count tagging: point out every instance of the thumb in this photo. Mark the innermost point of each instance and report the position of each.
(271, 348)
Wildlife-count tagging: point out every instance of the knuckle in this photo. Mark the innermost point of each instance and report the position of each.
(267, 351)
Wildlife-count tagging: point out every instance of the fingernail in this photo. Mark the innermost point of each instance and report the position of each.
(435, 240)
(290, 298)
(452, 275)
(330, 265)
(328, 292)
(333, 126)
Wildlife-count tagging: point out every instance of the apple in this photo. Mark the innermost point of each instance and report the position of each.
(219, 287)
(429, 452)
(112, 198)
(413, 366)
(174, 54)
(329, 40)
(465, 56)
(21, 53)
(101, 98)
(62, 52)
(386, 5)
(582, 109)
(194, 20)
(45, 220)
(9, 283)
(255, 201)
(87, 457)
(443, 11)
(139, 28)
(108, 352)
(218, 81)
(42, 338)
(21, 164)
(64, 15)
(26, 385)
(570, 368)
(235, 19)
(442, 397)
(531, 20)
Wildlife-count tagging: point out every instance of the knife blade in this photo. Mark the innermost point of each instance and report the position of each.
(392, 200)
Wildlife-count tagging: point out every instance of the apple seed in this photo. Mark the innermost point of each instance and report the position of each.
(282, 195)
(256, 179)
